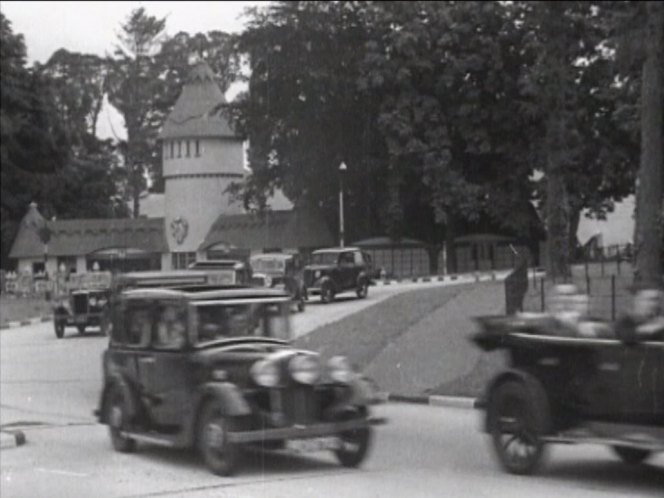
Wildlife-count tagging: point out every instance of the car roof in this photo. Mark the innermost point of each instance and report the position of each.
(277, 255)
(206, 293)
(335, 249)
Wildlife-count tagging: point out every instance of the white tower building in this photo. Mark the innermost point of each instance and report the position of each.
(202, 156)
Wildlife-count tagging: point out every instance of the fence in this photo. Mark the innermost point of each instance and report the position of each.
(607, 284)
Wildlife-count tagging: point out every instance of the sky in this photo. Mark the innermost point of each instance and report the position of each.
(91, 27)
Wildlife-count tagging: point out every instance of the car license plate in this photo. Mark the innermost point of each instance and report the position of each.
(314, 444)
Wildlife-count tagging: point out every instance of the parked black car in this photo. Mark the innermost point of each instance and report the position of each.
(81, 309)
(565, 389)
(280, 271)
(212, 369)
(337, 270)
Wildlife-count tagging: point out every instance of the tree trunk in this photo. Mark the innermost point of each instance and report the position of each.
(450, 235)
(573, 241)
(433, 250)
(648, 239)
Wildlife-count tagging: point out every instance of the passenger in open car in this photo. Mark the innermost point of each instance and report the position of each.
(646, 320)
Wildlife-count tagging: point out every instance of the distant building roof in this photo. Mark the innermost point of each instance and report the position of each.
(82, 237)
(283, 229)
(193, 114)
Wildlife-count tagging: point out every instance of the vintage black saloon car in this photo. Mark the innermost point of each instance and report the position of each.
(280, 271)
(213, 369)
(567, 389)
(81, 309)
(332, 271)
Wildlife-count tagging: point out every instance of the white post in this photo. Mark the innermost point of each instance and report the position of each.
(342, 170)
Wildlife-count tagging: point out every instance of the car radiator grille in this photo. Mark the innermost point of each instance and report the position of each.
(299, 405)
(80, 304)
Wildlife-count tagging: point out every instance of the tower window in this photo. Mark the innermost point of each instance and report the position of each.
(165, 150)
(198, 148)
(179, 149)
(172, 149)
(188, 154)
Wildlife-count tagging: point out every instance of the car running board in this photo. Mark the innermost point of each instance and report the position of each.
(158, 439)
(649, 445)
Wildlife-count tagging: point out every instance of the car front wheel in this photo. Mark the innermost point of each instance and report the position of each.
(327, 293)
(362, 289)
(117, 416)
(354, 445)
(515, 422)
(631, 456)
(219, 455)
(81, 329)
(59, 329)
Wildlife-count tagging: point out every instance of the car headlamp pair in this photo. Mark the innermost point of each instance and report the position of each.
(303, 368)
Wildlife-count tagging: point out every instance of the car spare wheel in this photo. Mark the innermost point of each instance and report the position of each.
(219, 455)
(517, 418)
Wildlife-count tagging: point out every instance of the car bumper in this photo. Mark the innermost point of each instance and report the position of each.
(303, 431)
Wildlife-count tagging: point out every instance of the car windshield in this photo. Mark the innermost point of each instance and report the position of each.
(268, 265)
(215, 321)
(325, 258)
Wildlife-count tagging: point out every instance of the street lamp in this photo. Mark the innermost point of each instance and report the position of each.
(342, 170)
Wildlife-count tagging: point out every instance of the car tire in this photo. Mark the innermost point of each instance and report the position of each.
(327, 293)
(59, 329)
(354, 444)
(631, 456)
(81, 329)
(363, 289)
(117, 416)
(220, 456)
(517, 420)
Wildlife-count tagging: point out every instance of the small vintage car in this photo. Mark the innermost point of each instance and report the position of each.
(336, 270)
(212, 368)
(281, 271)
(82, 308)
(569, 389)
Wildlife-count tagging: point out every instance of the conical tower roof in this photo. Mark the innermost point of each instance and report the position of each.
(193, 114)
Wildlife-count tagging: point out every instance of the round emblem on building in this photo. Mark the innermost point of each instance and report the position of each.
(179, 229)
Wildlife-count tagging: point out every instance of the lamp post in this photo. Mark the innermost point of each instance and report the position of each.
(342, 170)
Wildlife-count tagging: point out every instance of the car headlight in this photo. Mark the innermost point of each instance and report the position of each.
(340, 369)
(219, 374)
(268, 281)
(305, 368)
(317, 274)
(265, 373)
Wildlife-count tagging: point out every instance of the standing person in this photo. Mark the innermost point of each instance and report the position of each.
(646, 320)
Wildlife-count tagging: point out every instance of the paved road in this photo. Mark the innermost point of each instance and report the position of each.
(423, 452)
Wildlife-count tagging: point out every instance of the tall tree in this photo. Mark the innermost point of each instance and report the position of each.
(134, 85)
(649, 238)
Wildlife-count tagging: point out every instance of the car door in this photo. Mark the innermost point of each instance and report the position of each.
(163, 368)
(642, 389)
(347, 270)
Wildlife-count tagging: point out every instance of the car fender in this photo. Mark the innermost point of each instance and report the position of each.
(130, 396)
(535, 391)
(362, 276)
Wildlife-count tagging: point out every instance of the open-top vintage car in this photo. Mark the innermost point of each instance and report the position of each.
(212, 368)
(82, 308)
(336, 270)
(561, 388)
(281, 271)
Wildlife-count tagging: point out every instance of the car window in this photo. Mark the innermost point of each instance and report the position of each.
(324, 258)
(223, 321)
(346, 259)
(138, 325)
(171, 328)
(358, 258)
